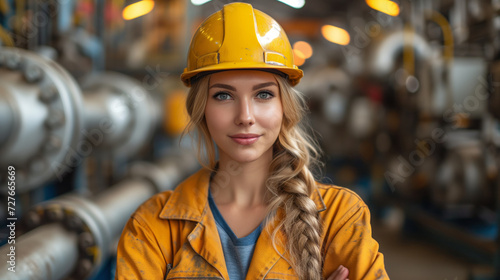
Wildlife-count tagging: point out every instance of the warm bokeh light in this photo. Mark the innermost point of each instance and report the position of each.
(335, 34)
(384, 6)
(298, 58)
(138, 9)
(297, 4)
(199, 2)
(304, 48)
(299, 53)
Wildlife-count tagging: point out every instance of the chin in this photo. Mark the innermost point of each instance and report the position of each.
(247, 154)
(244, 158)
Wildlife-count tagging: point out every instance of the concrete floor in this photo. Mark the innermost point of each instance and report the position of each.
(418, 259)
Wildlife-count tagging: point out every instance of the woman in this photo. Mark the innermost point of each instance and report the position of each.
(256, 211)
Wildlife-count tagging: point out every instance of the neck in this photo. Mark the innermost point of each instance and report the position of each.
(242, 184)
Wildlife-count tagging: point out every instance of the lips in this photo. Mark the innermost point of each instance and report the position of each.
(245, 139)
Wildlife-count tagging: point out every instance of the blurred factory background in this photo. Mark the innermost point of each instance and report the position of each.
(404, 96)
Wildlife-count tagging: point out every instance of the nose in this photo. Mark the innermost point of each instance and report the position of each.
(245, 115)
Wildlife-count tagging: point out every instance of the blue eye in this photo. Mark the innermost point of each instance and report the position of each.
(265, 95)
(222, 96)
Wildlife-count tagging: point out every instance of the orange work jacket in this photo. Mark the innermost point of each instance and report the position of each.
(173, 235)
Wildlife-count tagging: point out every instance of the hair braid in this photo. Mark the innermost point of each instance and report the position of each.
(292, 183)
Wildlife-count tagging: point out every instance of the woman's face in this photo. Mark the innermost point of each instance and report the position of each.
(244, 114)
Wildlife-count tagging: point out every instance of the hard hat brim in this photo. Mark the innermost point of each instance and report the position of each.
(293, 74)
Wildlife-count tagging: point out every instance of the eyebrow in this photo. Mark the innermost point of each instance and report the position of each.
(263, 85)
(223, 86)
(256, 87)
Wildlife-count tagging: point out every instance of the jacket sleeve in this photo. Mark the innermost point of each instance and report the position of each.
(351, 244)
(139, 255)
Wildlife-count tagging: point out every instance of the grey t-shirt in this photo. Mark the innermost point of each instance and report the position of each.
(237, 251)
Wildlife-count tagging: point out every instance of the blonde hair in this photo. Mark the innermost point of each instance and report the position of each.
(195, 105)
(290, 183)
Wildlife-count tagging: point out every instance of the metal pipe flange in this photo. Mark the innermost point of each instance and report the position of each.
(82, 217)
(132, 116)
(45, 117)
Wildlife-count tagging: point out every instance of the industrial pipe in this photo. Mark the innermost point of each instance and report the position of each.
(91, 224)
(385, 53)
(48, 252)
(47, 126)
(125, 105)
(45, 116)
(6, 118)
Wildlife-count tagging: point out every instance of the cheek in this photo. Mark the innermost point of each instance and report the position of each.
(276, 122)
(271, 118)
(216, 120)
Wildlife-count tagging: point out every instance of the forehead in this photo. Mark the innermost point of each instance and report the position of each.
(242, 77)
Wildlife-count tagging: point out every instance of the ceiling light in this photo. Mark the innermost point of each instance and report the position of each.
(335, 34)
(138, 9)
(384, 6)
(199, 2)
(297, 4)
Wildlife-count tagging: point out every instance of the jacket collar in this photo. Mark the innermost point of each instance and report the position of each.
(190, 199)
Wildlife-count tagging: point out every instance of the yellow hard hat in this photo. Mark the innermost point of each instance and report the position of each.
(240, 37)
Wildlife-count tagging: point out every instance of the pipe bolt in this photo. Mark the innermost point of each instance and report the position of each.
(13, 61)
(86, 240)
(83, 268)
(33, 219)
(32, 73)
(55, 213)
(74, 223)
(55, 119)
(48, 94)
(53, 143)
